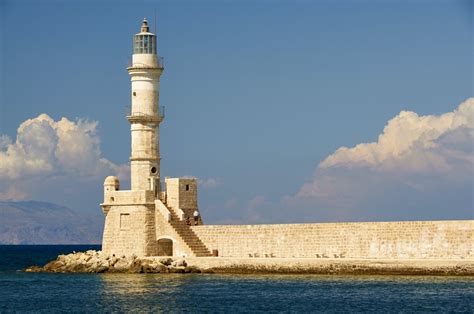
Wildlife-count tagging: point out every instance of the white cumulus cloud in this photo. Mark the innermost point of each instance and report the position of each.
(46, 152)
(421, 167)
(410, 142)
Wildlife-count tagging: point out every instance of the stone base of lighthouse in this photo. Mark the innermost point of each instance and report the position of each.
(129, 229)
(138, 223)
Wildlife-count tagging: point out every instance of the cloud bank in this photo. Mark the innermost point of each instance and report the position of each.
(421, 167)
(50, 156)
(413, 143)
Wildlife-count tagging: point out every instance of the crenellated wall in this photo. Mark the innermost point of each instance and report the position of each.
(361, 240)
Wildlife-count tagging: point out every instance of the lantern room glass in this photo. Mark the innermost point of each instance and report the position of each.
(144, 44)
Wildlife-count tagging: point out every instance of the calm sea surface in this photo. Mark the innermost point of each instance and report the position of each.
(218, 293)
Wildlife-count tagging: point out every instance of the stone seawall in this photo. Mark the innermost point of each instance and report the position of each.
(436, 240)
(331, 266)
(99, 262)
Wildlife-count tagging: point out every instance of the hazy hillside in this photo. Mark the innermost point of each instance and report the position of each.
(32, 222)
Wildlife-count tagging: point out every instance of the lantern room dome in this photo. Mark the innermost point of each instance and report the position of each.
(144, 42)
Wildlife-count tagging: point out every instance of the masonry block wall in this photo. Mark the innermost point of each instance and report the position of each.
(164, 231)
(182, 193)
(130, 230)
(371, 240)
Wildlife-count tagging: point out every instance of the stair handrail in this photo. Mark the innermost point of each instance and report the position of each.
(163, 210)
(180, 214)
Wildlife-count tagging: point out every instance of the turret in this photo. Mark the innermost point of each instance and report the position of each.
(111, 185)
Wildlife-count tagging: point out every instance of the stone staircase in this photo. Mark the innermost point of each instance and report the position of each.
(188, 236)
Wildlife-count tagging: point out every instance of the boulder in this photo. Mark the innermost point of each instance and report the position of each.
(112, 261)
(136, 266)
(179, 263)
(54, 266)
(175, 270)
(149, 266)
(122, 265)
(34, 269)
(192, 269)
(166, 261)
(76, 268)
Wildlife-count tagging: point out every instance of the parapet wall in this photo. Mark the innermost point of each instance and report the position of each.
(364, 240)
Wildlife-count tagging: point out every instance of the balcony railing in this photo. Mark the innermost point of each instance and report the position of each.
(136, 116)
(159, 60)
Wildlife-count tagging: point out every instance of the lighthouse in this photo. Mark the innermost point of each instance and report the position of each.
(145, 113)
(145, 220)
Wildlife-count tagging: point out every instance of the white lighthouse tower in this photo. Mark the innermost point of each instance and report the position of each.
(145, 113)
(144, 220)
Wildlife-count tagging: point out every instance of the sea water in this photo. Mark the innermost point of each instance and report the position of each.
(47, 292)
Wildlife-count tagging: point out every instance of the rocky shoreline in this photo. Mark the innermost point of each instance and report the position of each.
(97, 262)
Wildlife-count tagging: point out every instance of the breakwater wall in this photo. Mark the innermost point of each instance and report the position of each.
(437, 240)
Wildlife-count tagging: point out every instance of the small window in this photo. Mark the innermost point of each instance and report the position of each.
(187, 187)
(124, 221)
(134, 94)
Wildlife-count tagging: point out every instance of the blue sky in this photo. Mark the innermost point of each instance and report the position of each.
(257, 93)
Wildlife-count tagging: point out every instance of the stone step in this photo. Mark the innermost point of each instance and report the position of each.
(195, 244)
(189, 237)
(188, 234)
(199, 250)
(198, 247)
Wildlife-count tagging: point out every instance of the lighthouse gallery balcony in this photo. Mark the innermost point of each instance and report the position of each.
(135, 116)
(160, 64)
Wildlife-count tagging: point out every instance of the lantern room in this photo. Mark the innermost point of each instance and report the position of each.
(144, 42)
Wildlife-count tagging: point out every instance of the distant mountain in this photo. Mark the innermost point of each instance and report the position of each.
(33, 222)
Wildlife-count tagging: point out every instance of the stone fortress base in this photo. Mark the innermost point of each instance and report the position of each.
(371, 248)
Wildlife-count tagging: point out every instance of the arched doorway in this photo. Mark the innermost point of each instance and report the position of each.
(165, 247)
